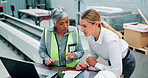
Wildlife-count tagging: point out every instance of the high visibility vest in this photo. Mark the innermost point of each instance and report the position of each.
(53, 49)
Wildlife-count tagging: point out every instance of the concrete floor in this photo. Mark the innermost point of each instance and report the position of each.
(141, 59)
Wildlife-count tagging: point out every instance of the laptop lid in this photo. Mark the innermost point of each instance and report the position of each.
(21, 69)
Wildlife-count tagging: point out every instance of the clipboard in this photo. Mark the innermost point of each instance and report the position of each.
(87, 74)
(82, 74)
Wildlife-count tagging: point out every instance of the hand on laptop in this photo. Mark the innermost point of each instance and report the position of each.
(49, 61)
(70, 55)
(81, 66)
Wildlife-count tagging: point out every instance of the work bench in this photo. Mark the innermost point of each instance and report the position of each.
(37, 14)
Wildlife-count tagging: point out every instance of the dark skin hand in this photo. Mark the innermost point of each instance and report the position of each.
(70, 55)
(91, 61)
(49, 61)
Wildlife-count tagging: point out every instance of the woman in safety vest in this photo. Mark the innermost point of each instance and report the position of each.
(60, 44)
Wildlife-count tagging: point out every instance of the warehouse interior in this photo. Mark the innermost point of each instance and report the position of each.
(23, 21)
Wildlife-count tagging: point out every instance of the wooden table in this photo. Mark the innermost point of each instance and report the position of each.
(58, 69)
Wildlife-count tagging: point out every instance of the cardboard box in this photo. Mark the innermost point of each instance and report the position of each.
(135, 38)
(135, 26)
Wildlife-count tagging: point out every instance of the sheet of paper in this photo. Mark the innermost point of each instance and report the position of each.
(71, 74)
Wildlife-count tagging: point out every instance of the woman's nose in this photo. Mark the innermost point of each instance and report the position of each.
(82, 29)
(65, 25)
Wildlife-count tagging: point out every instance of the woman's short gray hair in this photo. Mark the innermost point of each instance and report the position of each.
(58, 13)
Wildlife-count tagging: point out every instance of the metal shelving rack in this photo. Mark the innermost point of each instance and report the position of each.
(33, 4)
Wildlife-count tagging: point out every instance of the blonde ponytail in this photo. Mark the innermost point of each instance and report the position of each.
(107, 26)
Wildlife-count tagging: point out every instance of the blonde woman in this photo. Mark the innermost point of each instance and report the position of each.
(105, 42)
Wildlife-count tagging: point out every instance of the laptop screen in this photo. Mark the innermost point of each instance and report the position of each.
(20, 69)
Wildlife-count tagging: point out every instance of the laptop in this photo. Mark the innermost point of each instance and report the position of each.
(22, 69)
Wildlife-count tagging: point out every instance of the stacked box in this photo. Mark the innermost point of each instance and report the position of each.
(136, 34)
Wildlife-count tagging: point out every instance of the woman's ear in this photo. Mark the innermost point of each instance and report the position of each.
(55, 24)
(97, 23)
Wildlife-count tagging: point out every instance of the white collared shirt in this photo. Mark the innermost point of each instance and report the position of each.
(110, 47)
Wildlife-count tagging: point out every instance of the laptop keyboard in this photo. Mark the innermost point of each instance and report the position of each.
(42, 76)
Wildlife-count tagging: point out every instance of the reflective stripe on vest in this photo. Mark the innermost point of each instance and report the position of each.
(52, 49)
